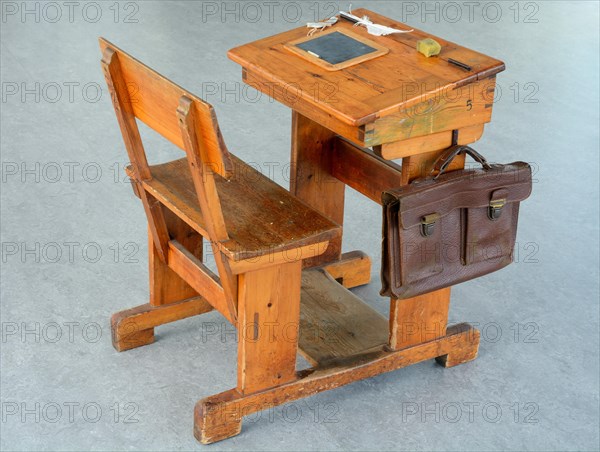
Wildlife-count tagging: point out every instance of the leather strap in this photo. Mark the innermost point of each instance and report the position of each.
(444, 160)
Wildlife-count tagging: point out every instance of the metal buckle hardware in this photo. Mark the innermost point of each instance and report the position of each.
(427, 224)
(495, 209)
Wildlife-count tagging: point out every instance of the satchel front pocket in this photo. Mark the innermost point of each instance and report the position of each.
(490, 231)
(421, 250)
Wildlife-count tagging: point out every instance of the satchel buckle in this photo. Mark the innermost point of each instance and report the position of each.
(427, 224)
(495, 209)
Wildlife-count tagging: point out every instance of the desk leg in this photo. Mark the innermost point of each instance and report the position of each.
(311, 179)
(424, 318)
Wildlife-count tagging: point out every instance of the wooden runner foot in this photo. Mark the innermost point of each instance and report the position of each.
(134, 327)
(352, 270)
(220, 416)
(461, 355)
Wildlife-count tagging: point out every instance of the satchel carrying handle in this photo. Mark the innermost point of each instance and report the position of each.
(444, 160)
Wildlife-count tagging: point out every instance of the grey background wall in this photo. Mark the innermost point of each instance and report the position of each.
(74, 250)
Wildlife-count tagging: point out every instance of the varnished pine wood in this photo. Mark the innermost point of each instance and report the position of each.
(463, 107)
(428, 143)
(352, 270)
(323, 91)
(183, 199)
(420, 165)
(220, 416)
(311, 179)
(364, 171)
(203, 177)
(111, 65)
(201, 278)
(134, 327)
(349, 100)
(165, 285)
(278, 258)
(418, 319)
(153, 99)
(254, 209)
(374, 103)
(334, 322)
(269, 304)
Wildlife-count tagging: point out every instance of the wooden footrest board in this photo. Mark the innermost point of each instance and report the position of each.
(335, 323)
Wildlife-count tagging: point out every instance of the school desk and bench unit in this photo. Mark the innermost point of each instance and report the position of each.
(278, 253)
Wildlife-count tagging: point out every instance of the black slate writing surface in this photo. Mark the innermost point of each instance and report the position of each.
(336, 47)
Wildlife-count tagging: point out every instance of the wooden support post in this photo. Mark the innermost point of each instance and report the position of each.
(166, 286)
(268, 321)
(311, 179)
(424, 317)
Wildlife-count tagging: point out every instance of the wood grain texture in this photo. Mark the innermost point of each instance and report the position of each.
(220, 416)
(334, 322)
(269, 304)
(201, 278)
(428, 143)
(311, 179)
(352, 270)
(198, 147)
(418, 319)
(321, 91)
(465, 106)
(154, 99)
(134, 327)
(278, 258)
(364, 171)
(261, 217)
(166, 286)
(113, 73)
(361, 94)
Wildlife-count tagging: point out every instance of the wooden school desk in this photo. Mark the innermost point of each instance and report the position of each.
(348, 126)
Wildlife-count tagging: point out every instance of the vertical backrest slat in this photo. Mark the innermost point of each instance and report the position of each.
(135, 149)
(192, 118)
(202, 174)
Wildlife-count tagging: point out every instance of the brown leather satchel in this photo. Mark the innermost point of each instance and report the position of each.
(445, 229)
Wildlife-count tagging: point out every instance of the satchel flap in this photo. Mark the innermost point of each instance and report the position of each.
(460, 189)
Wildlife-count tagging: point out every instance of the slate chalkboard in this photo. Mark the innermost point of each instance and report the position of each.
(336, 47)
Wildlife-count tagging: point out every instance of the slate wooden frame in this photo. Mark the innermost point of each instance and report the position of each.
(380, 50)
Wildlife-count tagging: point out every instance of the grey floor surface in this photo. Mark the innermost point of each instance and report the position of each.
(74, 250)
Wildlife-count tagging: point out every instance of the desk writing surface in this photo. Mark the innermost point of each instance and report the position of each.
(367, 91)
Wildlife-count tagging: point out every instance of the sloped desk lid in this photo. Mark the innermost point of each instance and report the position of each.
(373, 89)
